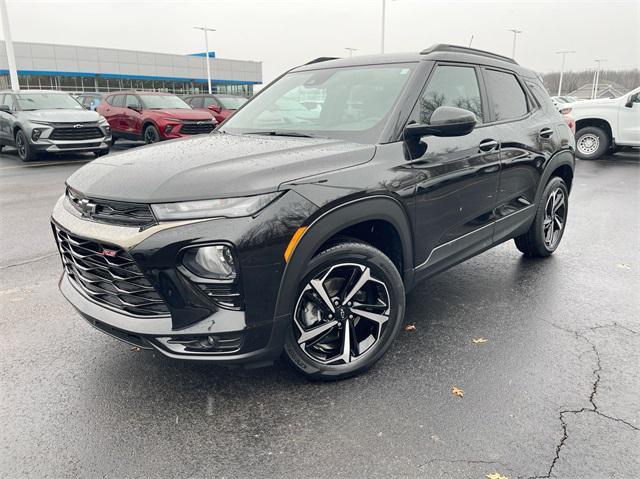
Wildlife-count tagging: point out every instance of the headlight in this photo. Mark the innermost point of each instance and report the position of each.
(221, 208)
(175, 120)
(39, 122)
(215, 262)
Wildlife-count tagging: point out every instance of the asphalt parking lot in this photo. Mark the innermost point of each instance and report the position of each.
(553, 392)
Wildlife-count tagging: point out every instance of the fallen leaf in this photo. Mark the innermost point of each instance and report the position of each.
(623, 266)
(136, 349)
(457, 391)
(496, 475)
(410, 328)
(479, 340)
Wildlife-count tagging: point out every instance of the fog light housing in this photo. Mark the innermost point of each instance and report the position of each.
(214, 261)
(35, 134)
(168, 128)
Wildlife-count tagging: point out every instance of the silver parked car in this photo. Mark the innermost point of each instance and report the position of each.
(50, 121)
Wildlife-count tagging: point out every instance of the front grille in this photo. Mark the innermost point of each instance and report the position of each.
(108, 275)
(197, 128)
(113, 212)
(80, 133)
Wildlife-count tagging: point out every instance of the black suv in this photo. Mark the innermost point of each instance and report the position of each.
(300, 224)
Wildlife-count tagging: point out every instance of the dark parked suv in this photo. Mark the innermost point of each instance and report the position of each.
(302, 232)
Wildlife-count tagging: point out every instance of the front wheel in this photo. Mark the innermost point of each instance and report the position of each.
(591, 143)
(548, 226)
(25, 151)
(349, 309)
(151, 135)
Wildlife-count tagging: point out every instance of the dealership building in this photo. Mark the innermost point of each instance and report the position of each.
(79, 69)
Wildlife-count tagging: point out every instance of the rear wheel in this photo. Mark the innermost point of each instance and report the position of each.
(349, 309)
(151, 135)
(25, 151)
(591, 143)
(546, 232)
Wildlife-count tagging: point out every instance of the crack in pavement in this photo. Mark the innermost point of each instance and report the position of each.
(29, 261)
(594, 390)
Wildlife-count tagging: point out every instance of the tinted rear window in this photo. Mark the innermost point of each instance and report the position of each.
(506, 96)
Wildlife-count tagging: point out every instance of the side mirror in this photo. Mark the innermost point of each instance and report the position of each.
(445, 121)
(629, 104)
(5, 108)
(215, 108)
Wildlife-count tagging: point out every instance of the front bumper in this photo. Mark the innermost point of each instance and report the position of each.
(156, 250)
(69, 146)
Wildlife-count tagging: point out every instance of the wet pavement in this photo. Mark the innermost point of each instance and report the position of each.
(553, 392)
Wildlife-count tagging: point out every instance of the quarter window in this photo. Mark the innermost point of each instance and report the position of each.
(450, 86)
(508, 100)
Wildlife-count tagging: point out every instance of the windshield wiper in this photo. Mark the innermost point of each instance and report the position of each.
(282, 133)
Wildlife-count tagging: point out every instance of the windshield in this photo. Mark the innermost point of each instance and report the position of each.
(47, 101)
(160, 102)
(347, 103)
(231, 102)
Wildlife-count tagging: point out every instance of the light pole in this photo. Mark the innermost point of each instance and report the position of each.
(384, 11)
(516, 32)
(351, 50)
(564, 55)
(206, 54)
(597, 77)
(8, 42)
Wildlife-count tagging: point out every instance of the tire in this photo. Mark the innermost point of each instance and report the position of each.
(372, 315)
(25, 152)
(151, 135)
(591, 143)
(100, 153)
(541, 241)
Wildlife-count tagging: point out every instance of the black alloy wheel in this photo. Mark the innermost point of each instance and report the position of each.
(549, 224)
(348, 311)
(25, 152)
(151, 135)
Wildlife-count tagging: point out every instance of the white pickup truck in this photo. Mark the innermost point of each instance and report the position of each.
(606, 125)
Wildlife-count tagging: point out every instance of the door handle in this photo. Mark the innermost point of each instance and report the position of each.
(488, 145)
(546, 133)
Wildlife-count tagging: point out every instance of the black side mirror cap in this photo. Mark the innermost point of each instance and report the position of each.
(445, 121)
(5, 108)
(629, 104)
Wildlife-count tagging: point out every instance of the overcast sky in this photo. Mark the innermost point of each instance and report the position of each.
(285, 33)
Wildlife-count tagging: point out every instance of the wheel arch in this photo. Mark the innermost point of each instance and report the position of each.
(562, 164)
(352, 219)
(597, 122)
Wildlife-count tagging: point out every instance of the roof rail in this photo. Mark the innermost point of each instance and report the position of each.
(321, 59)
(444, 47)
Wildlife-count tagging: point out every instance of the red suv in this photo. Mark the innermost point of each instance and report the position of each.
(220, 106)
(152, 116)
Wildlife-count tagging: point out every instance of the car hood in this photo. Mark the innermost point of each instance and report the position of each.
(579, 105)
(182, 114)
(213, 166)
(61, 116)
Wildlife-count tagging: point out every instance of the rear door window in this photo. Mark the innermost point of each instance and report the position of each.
(507, 98)
(118, 101)
(196, 102)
